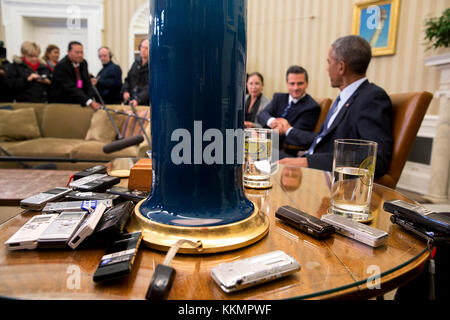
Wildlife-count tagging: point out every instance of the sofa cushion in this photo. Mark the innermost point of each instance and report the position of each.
(101, 128)
(94, 150)
(18, 125)
(66, 121)
(44, 148)
(131, 127)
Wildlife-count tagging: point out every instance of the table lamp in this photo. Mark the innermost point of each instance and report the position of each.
(197, 87)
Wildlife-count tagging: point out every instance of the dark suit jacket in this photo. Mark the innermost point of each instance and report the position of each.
(366, 115)
(137, 82)
(110, 83)
(64, 84)
(303, 115)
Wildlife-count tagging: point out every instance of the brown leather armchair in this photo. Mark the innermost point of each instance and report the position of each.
(325, 105)
(408, 110)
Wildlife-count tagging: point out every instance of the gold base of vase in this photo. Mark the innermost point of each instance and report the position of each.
(214, 239)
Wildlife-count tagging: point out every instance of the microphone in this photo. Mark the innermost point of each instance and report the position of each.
(122, 144)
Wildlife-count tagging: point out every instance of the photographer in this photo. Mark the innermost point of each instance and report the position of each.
(135, 89)
(27, 77)
(5, 92)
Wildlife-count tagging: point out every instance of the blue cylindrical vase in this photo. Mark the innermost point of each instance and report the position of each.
(197, 86)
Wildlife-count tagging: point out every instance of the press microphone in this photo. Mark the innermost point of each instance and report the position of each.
(122, 144)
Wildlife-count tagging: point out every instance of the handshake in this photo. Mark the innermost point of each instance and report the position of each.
(281, 125)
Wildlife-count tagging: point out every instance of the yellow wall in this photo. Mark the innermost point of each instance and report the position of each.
(286, 32)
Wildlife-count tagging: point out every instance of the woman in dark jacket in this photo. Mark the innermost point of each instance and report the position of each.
(27, 77)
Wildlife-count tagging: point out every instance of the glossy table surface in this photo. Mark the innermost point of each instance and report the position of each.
(337, 267)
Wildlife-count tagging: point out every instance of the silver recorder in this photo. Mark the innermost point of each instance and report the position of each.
(86, 205)
(61, 230)
(38, 201)
(357, 231)
(248, 272)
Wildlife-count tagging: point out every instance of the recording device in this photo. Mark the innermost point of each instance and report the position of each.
(435, 221)
(87, 226)
(122, 144)
(61, 230)
(133, 195)
(95, 182)
(119, 258)
(356, 230)
(89, 178)
(304, 222)
(248, 272)
(77, 195)
(38, 201)
(27, 236)
(113, 222)
(43, 76)
(87, 205)
(435, 238)
(89, 171)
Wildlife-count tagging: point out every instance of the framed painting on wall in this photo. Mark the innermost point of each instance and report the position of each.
(377, 22)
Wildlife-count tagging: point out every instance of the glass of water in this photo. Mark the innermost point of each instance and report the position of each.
(258, 154)
(353, 174)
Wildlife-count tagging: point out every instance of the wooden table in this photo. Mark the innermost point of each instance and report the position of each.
(336, 268)
(18, 184)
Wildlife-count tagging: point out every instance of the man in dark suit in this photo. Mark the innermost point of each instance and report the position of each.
(296, 107)
(71, 83)
(362, 110)
(109, 79)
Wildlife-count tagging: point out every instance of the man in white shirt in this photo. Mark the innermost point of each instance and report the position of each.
(296, 108)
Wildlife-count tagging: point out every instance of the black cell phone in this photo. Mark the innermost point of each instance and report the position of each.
(77, 195)
(434, 221)
(112, 223)
(133, 195)
(305, 222)
(119, 258)
(435, 238)
(87, 172)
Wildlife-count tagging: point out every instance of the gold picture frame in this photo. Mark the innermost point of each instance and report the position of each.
(377, 22)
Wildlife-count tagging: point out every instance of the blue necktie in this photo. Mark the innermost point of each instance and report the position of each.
(286, 110)
(324, 128)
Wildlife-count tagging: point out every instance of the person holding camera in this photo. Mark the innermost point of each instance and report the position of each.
(27, 77)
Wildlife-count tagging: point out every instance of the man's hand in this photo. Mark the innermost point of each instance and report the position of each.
(248, 124)
(44, 81)
(33, 76)
(133, 103)
(294, 162)
(95, 105)
(126, 96)
(281, 125)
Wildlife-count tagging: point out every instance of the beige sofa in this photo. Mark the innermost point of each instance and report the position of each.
(63, 131)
